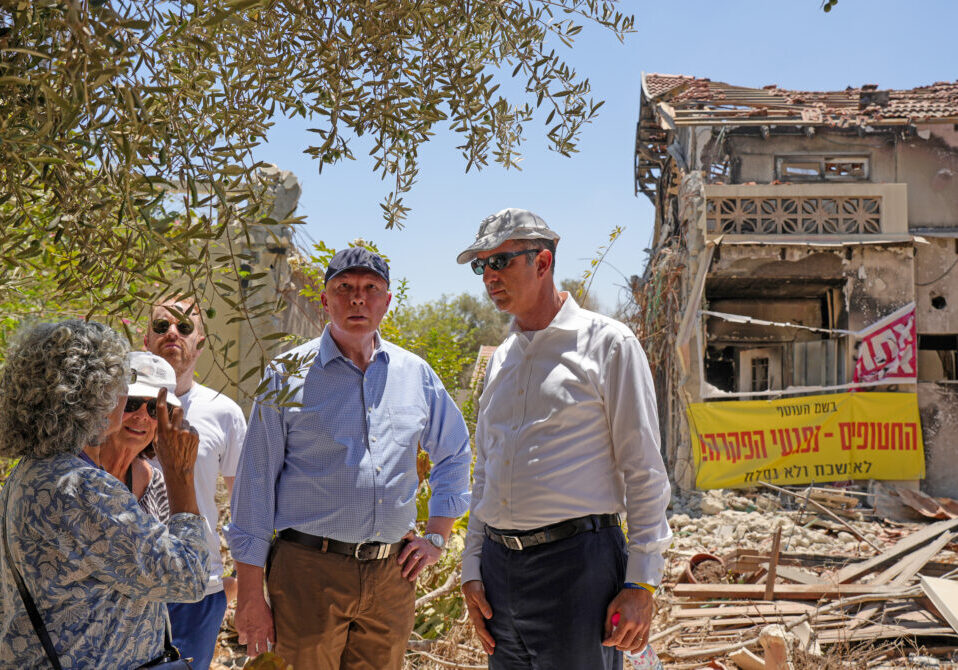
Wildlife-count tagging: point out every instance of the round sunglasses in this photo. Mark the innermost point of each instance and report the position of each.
(498, 262)
(160, 326)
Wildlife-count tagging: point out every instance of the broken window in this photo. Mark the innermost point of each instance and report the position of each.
(937, 357)
(759, 374)
(759, 369)
(822, 168)
(795, 170)
(846, 169)
(720, 368)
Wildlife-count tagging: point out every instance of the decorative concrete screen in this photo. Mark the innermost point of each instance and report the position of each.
(795, 216)
(857, 210)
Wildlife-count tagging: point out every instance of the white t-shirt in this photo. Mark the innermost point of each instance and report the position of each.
(222, 428)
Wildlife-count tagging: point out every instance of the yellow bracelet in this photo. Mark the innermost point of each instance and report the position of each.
(641, 585)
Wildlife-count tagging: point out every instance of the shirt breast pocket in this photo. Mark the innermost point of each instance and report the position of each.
(406, 424)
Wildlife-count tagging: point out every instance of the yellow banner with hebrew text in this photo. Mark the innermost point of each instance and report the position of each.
(822, 438)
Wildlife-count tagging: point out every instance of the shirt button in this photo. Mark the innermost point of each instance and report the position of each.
(521, 391)
(380, 501)
(379, 468)
(372, 439)
(515, 428)
(505, 502)
(507, 462)
(378, 534)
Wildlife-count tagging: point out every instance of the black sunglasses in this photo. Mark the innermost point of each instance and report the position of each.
(498, 262)
(160, 326)
(133, 404)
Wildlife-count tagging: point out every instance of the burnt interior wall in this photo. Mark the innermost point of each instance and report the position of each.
(938, 405)
(884, 281)
(936, 285)
(771, 269)
(801, 311)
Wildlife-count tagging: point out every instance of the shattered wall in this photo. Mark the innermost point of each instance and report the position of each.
(936, 285)
(938, 404)
(882, 280)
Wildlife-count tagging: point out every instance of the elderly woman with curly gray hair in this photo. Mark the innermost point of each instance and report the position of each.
(98, 568)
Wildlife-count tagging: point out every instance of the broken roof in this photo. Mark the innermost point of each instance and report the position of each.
(691, 100)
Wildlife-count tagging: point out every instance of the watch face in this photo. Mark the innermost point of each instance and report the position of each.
(436, 539)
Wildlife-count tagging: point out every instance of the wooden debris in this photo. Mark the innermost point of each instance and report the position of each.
(787, 591)
(720, 622)
(776, 645)
(915, 562)
(746, 660)
(944, 594)
(773, 565)
(798, 575)
(741, 561)
(758, 608)
(906, 545)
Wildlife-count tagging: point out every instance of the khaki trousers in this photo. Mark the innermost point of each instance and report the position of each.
(334, 612)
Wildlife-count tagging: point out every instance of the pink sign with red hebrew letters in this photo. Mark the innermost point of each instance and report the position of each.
(888, 349)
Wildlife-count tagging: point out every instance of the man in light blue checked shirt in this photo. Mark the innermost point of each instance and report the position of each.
(335, 477)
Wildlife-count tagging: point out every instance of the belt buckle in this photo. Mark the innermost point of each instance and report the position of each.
(512, 542)
(382, 551)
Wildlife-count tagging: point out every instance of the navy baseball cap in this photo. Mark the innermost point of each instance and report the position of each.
(357, 258)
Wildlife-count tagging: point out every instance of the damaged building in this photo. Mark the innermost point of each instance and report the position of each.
(786, 224)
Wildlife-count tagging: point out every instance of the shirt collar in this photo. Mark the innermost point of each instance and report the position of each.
(328, 350)
(565, 319)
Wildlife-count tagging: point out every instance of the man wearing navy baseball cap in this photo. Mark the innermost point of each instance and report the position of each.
(334, 475)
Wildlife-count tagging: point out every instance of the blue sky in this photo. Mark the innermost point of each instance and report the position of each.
(791, 43)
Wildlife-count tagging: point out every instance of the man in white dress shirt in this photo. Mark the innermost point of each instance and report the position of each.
(567, 441)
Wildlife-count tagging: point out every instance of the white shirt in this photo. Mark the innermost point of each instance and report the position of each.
(222, 428)
(568, 427)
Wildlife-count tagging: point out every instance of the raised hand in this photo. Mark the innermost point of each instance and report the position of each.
(176, 441)
(176, 447)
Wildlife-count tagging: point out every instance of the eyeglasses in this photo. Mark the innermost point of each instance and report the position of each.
(133, 404)
(499, 262)
(160, 326)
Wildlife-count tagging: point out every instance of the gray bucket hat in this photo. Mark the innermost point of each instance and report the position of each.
(509, 224)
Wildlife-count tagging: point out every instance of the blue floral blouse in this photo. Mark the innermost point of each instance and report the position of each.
(99, 568)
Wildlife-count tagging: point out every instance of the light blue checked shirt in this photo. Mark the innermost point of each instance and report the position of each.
(343, 464)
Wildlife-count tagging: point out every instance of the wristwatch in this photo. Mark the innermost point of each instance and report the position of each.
(436, 540)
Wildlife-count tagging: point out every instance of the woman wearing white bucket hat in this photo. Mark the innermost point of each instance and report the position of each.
(85, 573)
(124, 454)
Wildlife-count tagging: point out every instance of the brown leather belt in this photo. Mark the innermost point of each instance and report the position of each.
(523, 539)
(363, 551)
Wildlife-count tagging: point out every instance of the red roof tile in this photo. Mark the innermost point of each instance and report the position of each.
(704, 101)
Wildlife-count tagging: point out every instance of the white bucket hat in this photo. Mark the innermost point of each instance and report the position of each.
(509, 224)
(150, 374)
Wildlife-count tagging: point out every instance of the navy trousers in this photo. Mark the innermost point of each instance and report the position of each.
(549, 601)
(195, 627)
